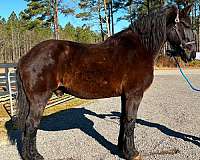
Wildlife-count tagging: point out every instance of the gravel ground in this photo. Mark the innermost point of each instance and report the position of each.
(168, 126)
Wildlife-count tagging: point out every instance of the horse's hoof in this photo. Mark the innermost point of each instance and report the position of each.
(135, 156)
(138, 157)
(38, 157)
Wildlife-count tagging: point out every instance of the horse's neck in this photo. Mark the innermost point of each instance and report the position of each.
(152, 32)
(157, 42)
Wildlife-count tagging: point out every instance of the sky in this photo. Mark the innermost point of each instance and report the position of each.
(19, 5)
(7, 8)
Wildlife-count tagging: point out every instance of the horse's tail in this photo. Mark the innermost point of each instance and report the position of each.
(22, 102)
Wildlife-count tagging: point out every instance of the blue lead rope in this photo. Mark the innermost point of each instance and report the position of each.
(185, 77)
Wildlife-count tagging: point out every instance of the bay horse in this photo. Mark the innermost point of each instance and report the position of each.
(122, 65)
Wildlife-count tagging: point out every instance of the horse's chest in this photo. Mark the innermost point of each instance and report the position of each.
(147, 80)
(140, 81)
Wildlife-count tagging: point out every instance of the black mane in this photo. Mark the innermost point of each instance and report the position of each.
(152, 29)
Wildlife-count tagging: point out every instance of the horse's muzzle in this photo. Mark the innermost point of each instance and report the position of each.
(196, 56)
(192, 56)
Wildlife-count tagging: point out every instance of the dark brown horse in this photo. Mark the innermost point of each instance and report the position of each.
(122, 65)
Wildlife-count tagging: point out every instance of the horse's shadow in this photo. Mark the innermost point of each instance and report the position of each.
(75, 119)
(167, 131)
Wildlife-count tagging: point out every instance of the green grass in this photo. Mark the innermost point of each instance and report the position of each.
(3, 113)
(3, 132)
(195, 64)
(70, 104)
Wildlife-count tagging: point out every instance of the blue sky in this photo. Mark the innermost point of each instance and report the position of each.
(14, 5)
(19, 5)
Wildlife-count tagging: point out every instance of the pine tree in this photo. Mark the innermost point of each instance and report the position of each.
(38, 14)
(44, 14)
(68, 32)
(2, 24)
(101, 10)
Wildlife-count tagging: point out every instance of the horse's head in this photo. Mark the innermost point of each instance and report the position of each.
(180, 34)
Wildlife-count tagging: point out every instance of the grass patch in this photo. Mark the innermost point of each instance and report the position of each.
(164, 61)
(2, 126)
(3, 113)
(3, 132)
(3, 118)
(70, 104)
(195, 64)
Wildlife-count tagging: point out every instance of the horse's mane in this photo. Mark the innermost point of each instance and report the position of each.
(151, 29)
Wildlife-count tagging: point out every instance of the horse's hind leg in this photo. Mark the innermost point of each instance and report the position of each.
(29, 150)
(130, 104)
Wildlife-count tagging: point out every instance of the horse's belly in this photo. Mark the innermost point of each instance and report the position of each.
(91, 87)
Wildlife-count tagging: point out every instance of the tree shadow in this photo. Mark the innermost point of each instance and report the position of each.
(74, 118)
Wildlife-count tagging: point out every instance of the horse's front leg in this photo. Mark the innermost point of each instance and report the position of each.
(130, 103)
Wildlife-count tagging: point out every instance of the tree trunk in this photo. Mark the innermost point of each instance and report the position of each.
(196, 24)
(112, 19)
(198, 35)
(55, 17)
(13, 43)
(100, 20)
(107, 18)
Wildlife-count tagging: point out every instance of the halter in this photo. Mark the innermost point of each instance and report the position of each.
(177, 20)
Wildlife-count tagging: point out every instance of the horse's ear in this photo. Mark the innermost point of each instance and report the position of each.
(171, 12)
(186, 11)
